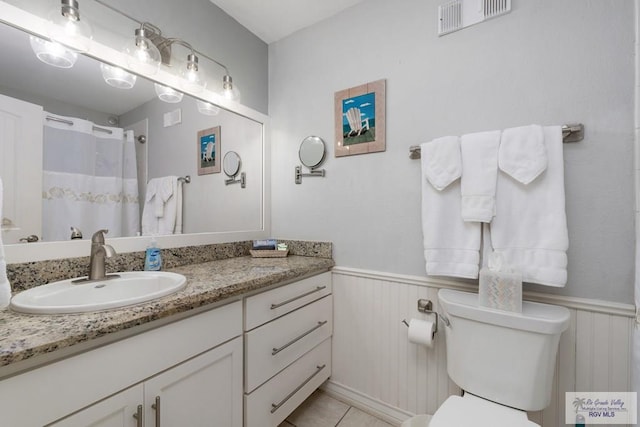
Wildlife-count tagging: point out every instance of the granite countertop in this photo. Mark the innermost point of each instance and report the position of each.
(26, 336)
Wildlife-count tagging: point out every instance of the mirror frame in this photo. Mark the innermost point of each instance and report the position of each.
(306, 141)
(238, 167)
(27, 252)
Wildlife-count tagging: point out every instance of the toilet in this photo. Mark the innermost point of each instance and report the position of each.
(503, 361)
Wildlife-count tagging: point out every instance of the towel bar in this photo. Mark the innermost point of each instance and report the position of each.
(570, 133)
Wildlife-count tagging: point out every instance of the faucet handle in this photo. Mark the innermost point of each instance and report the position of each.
(98, 236)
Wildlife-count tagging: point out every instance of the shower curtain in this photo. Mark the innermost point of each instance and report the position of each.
(89, 179)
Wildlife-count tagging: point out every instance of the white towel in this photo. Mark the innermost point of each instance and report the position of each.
(5, 286)
(159, 190)
(443, 164)
(162, 198)
(522, 153)
(479, 172)
(451, 246)
(178, 227)
(530, 226)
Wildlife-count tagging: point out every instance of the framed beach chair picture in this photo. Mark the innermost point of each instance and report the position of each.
(360, 119)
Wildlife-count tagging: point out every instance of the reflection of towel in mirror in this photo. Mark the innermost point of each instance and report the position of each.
(5, 287)
(162, 213)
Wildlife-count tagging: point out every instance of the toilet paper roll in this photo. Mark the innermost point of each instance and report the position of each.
(421, 332)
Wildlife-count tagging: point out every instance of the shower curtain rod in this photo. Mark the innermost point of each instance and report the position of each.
(69, 122)
(570, 133)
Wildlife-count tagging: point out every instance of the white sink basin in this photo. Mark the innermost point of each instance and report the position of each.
(68, 297)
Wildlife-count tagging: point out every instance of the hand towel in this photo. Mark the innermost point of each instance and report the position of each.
(522, 153)
(442, 165)
(479, 172)
(530, 226)
(159, 190)
(178, 227)
(451, 245)
(5, 286)
(161, 196)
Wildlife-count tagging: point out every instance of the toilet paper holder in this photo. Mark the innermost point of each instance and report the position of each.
(426, 306)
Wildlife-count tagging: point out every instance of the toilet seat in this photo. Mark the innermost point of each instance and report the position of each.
(471, 410)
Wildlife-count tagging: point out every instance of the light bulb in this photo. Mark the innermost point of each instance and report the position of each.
(66, 27)
(142, 55)
(52, 53)
(207, 108)
(167, 94)
(191, 76)
(229, 90)
(117, 77)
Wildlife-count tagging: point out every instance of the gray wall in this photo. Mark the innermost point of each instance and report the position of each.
(209, 204)
(546, 62)
(208, 28)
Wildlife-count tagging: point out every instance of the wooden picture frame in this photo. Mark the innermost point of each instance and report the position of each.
(209, 151)
(360, 126)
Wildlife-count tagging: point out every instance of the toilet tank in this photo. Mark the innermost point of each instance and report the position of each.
(505, 357)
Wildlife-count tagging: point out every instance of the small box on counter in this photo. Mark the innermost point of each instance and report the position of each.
(264, 245)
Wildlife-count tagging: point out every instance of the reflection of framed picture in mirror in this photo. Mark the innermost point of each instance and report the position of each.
(360, 119)
(209, 151)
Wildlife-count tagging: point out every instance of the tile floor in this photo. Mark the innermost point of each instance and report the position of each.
(320, 410)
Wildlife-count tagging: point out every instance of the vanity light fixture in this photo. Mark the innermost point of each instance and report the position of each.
(191, 75)
(207, 108)
(66, 27)
(142, 55)
(168, 94)
(229, 90)
(52, 53)
(117, 77)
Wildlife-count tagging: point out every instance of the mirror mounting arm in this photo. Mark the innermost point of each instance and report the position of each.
(242, 181)
(313, 172)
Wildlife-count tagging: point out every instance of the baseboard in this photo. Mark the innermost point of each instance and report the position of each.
(390, 414)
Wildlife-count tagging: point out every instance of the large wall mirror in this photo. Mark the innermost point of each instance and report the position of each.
(163, 141)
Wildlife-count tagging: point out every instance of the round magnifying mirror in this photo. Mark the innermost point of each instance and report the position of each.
(312, 151)
(231, 164)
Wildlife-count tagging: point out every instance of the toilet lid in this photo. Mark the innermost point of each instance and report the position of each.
(471, 410)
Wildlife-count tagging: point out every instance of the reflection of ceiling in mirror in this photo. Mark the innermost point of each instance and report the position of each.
(22, 71)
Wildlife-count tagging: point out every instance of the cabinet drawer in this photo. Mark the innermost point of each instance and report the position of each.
(271, 403)
(272, 304)
(272, 347)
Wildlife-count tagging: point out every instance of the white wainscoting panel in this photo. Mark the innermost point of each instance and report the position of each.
(375, 366)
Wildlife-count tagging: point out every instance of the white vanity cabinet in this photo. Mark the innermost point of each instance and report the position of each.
(199, 392)
(287, 348)
(193, 365)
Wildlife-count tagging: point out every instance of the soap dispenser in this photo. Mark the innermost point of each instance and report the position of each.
(153, 256)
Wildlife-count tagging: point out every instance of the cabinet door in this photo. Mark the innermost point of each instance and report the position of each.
(203, 391)
(115, 411)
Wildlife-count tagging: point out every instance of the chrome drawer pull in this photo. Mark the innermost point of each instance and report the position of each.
(280, 304)
(293, 341)
(138, 416)
(156, 406)
(276, 406)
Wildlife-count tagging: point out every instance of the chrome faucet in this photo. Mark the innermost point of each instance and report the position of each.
(99, 251)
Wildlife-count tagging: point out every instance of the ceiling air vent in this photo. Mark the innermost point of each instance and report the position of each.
(458, 14)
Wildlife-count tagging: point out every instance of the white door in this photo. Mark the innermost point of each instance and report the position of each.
(119, 410)
(204, 391)
(20, 168)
